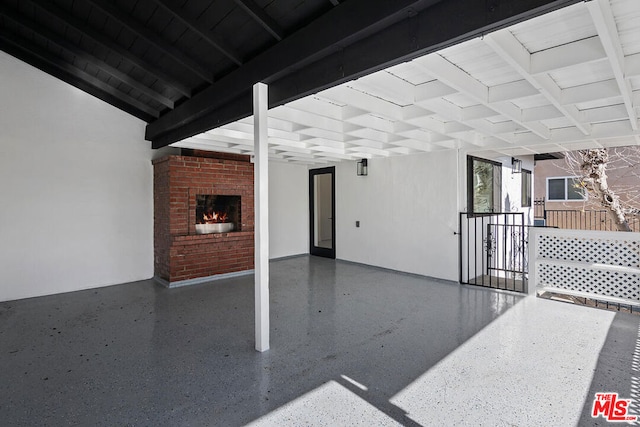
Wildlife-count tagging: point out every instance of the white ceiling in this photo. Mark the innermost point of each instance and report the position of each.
(563, 81)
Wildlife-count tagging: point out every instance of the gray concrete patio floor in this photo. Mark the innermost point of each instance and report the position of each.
(350, 345)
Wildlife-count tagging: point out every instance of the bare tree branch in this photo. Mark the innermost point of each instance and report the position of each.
(620, 198)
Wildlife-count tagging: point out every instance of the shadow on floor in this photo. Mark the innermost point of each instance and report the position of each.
(618, 368)
(140, 354)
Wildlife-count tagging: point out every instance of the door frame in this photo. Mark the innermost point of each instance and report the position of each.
(316, 250)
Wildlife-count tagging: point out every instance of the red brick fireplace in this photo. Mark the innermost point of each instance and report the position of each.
(190, 190)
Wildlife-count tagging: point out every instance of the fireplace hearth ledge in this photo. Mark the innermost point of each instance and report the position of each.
(199, 280)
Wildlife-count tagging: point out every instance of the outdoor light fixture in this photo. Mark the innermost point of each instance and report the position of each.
(516, 165)
(362, 168)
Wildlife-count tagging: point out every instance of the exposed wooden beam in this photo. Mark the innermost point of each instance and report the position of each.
(88, 31)
(453, 112)
(85, 56)
(262, 18)
(605, 23)
(153, 38)
(566, 55)
(511, 90)
(236, 109)
(201, 29)
(451, 75)
(352, 19)
(380, 34)
(590, 92)
(515, 54)
(605, 114)
(35, 55)
(632, 65)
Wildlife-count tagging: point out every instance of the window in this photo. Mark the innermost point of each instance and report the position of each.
(484, 185)
(565, 189)
(525, 184)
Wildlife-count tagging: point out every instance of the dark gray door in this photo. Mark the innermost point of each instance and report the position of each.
(322, 212)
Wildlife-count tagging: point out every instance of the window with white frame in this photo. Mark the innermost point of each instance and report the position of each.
(565, 188)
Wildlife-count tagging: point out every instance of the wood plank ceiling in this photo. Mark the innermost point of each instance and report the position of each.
(563, 81)
(187, 66)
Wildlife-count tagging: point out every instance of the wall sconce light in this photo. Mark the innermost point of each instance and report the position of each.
(516, 165)
(362, 168)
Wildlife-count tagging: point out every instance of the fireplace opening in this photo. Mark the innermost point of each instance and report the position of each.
(217, 214)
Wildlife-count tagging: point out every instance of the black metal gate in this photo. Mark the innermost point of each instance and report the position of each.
(493, 250)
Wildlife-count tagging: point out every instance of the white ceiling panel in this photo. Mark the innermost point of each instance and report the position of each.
(561, 27)
(582, 74)
(480, 61)
(569, 79)
(597, 103)
(531, 102)
(627, 18)
(557, 123)
(411, 73)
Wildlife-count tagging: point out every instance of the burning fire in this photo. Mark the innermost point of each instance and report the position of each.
(212, 217)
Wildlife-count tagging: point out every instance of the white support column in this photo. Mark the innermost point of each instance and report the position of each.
(530, 283)
(261, 198)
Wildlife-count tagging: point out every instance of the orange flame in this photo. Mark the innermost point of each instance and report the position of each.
(214, 217)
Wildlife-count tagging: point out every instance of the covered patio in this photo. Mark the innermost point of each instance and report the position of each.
(351, 344)
(101, 90)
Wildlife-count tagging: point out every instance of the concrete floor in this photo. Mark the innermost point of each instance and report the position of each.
(350, 345)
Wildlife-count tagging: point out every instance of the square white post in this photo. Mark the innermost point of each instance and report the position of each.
(261, 200)
(532, 261)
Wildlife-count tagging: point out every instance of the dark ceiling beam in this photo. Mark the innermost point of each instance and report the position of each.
(35, 55)
(202, 30)
(235, 109)
(83, 55)
(152, 69)
(426, 31)
(334, 2)
(341, 25)
(262, 18)
(154, 39)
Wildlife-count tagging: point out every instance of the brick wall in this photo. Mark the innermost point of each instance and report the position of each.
(180, 254)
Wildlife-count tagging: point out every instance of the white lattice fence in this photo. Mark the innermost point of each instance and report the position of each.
(601, 265)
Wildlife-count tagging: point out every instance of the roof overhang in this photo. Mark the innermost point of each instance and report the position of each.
(354, 39)
(563, 81)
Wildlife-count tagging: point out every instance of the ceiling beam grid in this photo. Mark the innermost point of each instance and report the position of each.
(454, 113)
(604, 21)
(455, 77)
(505, 45)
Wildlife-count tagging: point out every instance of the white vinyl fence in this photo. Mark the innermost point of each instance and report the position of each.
(601, 265)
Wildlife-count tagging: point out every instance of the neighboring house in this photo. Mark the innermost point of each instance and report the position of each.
(561, 200)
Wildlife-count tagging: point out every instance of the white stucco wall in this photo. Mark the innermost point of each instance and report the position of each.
(408, 211)
(288, 209)
(76, 186)
(512, 188)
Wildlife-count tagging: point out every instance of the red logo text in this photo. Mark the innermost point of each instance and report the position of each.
(612, 408)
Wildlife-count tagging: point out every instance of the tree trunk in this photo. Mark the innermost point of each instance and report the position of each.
(594, 168)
